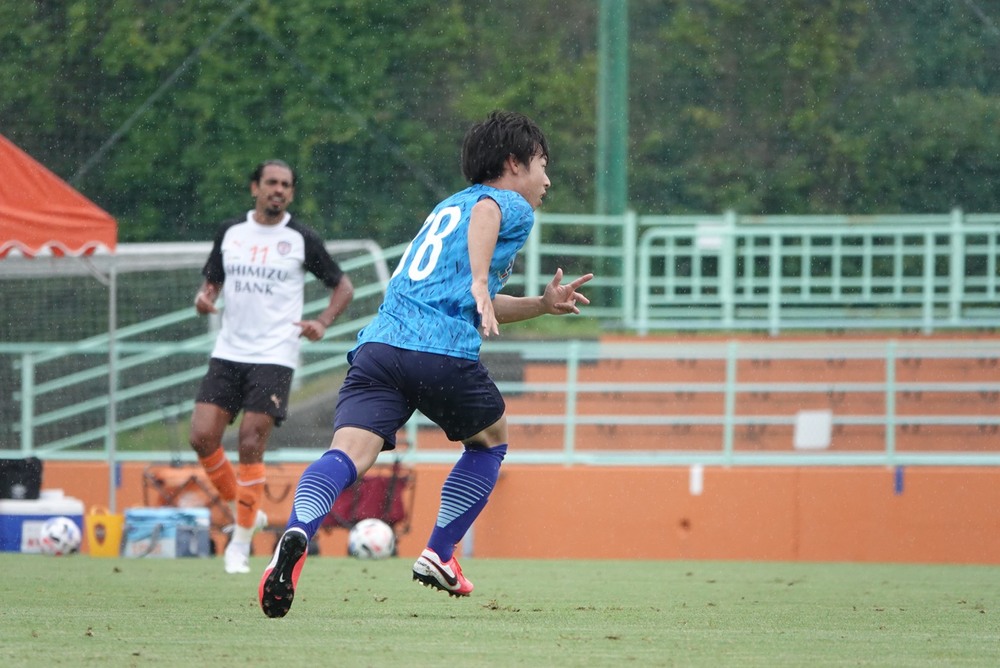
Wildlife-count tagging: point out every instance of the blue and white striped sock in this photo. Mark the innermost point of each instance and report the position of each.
(464, 495)
(320, 485)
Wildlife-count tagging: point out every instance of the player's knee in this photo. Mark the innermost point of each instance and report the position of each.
(492, 436)
(252, 449)
(201, 441)
(362, 447)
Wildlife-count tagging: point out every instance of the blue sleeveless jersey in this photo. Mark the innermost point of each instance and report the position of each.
(428, 303)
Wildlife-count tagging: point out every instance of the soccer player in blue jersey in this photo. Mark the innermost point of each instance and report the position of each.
(421, 352)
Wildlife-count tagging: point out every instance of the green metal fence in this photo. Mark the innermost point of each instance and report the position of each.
(780, 273)
(722, 273)
(880, 403)
(62, 390)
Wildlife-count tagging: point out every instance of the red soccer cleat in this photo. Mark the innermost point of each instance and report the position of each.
(446, 576)
(277, 585)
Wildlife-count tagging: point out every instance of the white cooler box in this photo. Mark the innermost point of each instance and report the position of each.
(21, 520)
(167, 533)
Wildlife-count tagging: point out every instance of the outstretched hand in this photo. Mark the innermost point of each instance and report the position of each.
(559, 299)
(556, 299)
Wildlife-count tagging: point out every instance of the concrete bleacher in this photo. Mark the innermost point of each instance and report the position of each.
(933, 411)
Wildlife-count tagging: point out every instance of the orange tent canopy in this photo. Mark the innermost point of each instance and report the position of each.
(39, 212)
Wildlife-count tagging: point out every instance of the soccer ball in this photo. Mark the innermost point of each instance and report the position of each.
(371, 539)
(58, 536)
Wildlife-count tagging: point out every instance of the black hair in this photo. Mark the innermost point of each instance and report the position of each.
(488, 143)
(258, 171)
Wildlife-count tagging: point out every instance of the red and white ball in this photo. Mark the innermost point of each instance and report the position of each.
(371, 539)
(58, 536)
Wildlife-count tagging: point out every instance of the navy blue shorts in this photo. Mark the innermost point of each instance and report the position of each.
(258, 388)
(386, 384)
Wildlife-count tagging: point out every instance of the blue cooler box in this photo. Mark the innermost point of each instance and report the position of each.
(167, 533)
(21, 520)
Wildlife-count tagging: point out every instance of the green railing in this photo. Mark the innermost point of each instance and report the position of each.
(780, 273)
(64, 390)
(965, 430)
(717, 273)
(959, 415)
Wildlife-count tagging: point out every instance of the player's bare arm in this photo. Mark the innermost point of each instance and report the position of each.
(484, 227)
(340, 299)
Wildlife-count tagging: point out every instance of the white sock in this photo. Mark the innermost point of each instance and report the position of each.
(242, 534)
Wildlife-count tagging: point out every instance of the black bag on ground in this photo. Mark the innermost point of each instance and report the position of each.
(20, 478)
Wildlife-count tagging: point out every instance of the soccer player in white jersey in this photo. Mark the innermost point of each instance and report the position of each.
(421, 352)
(258, 264)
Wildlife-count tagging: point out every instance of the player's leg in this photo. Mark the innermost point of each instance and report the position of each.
(255, 429)
(370, 410)
(466, 491)
(464, 494)
(216, 404)
(208, 424)
(351, 453)
(474, 402)
(265, 388)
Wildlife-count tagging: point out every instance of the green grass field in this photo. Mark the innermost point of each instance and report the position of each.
(80, 610)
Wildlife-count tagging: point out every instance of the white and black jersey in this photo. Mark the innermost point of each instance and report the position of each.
(262, 270)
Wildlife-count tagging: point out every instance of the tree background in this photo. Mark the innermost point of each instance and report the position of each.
(159, 109)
